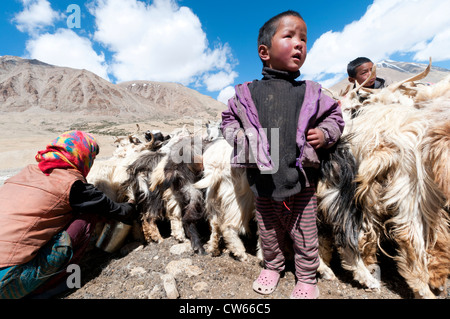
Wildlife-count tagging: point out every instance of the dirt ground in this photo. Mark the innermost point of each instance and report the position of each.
(170, 269)
(140, 271)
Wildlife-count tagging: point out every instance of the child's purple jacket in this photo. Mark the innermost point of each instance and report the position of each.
(242, 129)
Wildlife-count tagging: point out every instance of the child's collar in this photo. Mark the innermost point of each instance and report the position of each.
(269, 73)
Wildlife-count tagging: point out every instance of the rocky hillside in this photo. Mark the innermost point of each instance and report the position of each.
(31, 85)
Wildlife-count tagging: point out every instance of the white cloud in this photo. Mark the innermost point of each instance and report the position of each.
(226, 94)
(388, 27)
(438, 48)
(159, 41)
(217, 81)
(62, 48)
(66, 48)
(36, 16)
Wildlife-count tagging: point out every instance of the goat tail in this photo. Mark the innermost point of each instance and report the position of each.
(209, 180)
(205, 182)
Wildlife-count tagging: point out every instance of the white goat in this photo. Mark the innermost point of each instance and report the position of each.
(396, 189)
(229, 202)
(110, 175)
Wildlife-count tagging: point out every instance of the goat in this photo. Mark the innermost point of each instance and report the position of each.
(150, 202)
(395, 187)
(229, 202)
(213, 130)
(110, 175)
(175, 177)
(338, 217)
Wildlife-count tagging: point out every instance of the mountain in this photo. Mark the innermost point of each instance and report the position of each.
(34, 86)
(397, 71)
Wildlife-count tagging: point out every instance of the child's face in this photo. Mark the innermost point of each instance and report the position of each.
(288, 50)
(362, 73)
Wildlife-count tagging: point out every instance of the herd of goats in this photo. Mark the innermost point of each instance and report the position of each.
(387, 179)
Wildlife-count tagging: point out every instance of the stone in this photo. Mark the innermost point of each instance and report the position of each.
(170, 286)
(180, 248)
(176, 267)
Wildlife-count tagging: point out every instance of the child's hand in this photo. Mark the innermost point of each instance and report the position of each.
(315, 138)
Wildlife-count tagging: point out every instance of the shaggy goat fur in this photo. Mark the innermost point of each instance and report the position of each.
(335, 193)
(183, 199)
(151, 201)
(401, 151)
(163, 186)
(229, 202)
(110, 175)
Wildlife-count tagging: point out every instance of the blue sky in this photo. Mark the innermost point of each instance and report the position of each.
(210, 46)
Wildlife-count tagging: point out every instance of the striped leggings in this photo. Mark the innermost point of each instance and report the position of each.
(296, 218)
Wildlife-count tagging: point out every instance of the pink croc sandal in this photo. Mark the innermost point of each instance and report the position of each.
(305, 291)
(266, 282)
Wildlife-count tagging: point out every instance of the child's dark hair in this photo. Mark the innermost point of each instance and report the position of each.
(269, 28)
(351, 67)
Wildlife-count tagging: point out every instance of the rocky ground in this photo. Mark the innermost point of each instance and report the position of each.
(170, 270)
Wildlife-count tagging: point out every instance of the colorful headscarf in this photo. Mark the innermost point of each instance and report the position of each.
(72, 149)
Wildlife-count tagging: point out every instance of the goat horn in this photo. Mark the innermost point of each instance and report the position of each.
(152, 139)
(346, 90)
(417, 77)
(370, 90)
(333, 95)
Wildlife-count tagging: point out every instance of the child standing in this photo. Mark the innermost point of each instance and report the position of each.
(304, 120)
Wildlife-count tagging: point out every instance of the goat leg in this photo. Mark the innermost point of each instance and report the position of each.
(325, 255)
(151, 231)
(439, 261)
(193, 234)
(212, 246)
(234, 243)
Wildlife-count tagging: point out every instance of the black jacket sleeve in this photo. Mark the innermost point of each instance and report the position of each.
(86, 198)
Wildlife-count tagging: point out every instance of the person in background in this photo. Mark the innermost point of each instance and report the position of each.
(359, 69)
